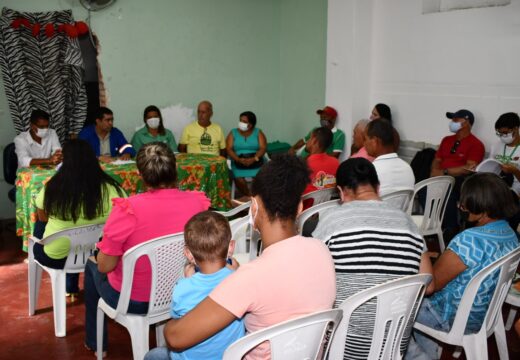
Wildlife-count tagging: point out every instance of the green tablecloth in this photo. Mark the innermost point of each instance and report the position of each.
(201, 172)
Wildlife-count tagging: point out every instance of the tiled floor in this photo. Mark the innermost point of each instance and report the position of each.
(32, 337)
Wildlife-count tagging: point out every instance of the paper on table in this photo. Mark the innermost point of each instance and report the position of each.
(122, 162)
(490, 166)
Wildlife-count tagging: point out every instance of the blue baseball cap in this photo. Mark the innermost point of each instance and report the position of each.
(462, 114)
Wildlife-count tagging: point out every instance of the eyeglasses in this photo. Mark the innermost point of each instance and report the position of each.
(501, 135)
(454, 147)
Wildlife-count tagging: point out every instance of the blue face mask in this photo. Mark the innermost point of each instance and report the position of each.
(455, 126)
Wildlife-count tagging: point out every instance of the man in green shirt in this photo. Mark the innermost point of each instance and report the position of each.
(328, 117)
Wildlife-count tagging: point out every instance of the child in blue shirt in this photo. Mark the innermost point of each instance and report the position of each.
(207, 237)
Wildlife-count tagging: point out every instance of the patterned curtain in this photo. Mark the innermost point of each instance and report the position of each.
(42, 72)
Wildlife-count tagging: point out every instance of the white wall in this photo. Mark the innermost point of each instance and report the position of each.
(423, 65)
(349, 39)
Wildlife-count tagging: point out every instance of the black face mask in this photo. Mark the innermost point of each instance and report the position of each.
(466, 224)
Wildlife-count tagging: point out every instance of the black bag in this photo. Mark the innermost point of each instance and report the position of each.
(255, 165)
(421, 164)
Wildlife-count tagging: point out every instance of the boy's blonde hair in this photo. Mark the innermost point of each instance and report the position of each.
(207, 236)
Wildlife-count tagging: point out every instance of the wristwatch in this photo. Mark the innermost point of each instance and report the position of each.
(445, 172)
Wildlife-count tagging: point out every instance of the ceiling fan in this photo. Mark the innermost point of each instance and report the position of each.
(96, 5)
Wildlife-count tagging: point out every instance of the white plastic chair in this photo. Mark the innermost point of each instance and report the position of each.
(234, 211)
(83, 241)
(438, 190)
(399, 199)
(316, 209)
(242, 232)
(397, 303)
(296, 339)
(514, 301)
(475, 345)
(321, 196)
(167, 262)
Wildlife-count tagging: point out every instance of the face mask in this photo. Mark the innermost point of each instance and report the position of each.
(153, 123)
(251, 216)
(508, 139)
(324, 123)
(42, 133)
(455, 126)
(243, 126)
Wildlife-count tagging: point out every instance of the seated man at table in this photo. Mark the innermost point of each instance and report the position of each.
(328, 117)
(39, 145)
(394, 173)
(107, 141)
(457, 154)
(203, 136)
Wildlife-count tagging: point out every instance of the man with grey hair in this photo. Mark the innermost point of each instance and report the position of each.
(358, 149)
(203, 136)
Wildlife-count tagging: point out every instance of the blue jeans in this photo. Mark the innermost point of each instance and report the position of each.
(72, 280)
(159, 353)
(421, 346)
(96, 285)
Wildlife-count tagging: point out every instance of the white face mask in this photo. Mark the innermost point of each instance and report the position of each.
(243, 126)
(251, 216)
(42, 133)
(507, 139)
(455, 126)
(153, 123)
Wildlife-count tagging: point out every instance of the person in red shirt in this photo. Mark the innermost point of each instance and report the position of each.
(323, 166)
(457, 154)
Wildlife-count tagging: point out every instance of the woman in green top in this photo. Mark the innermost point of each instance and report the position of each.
(80, 193)
(153, 130)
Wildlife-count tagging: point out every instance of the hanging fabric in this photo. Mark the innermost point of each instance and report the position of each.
(42, 68)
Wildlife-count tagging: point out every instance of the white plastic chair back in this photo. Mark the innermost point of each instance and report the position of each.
(167, 260)
(396, 305)
(83, 241)
(321, 196)
(475, 345)
(234, 211)
(241, 233)
(514, 301)
(316, 209)
(399, 199)
(296, 339)
(438, 190)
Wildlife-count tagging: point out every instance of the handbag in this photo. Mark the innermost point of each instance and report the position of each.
(255, 165)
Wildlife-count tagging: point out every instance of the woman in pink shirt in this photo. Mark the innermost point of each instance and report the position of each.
(293, 276)
(160, 211)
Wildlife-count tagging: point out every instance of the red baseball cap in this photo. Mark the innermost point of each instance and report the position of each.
(328, 110)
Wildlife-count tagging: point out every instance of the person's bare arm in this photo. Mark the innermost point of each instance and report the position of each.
(125, 156)
(205, 320)
(229, 147)
(182, 148)
(54, 159)
(296, 147)
(511, 169)
(262, 145)
(462, 170)
(425, 267)
(446, 268)
(42, 215)
(436, 168)
(106, 263)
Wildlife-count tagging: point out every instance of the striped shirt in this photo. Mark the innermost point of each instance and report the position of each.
(371, 243)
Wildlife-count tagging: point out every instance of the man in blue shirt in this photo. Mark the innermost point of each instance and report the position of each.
(107, 141)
